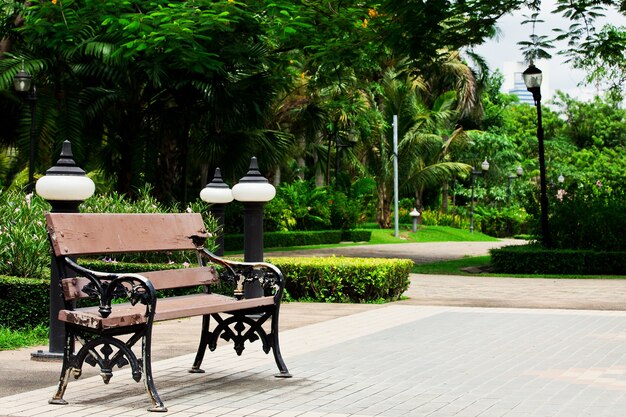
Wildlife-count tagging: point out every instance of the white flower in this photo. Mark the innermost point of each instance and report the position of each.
(189, 210)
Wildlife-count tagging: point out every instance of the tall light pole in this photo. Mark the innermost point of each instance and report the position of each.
(218, 194)
(532, 78)
(22, 83)
(64, 186)
(518, 173)
(475, 173)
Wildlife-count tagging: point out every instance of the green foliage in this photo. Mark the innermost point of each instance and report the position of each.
(437, 218)
(589, 217)
(24, 302)
(502, 222)
(299, 238)
(301, 205)
(599, 123)
(534, 259)
(356, 235)
(24, 247)
(14, 339)
(355, 280)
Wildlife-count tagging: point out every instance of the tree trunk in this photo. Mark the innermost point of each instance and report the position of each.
(383, 214)
(444, 197)
(418, 204)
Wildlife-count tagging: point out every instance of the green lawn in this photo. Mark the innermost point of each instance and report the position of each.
(14, 339)
(385, 236)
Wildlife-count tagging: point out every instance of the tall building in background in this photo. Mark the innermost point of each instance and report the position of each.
(514, 83)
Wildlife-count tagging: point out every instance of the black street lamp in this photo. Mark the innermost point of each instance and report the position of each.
(532, 78)
(65, 186)
(22, 83)
(253, 190)
(218, 194)
(518, 173)
(484, 168)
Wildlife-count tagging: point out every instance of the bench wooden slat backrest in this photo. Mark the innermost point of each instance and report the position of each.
(74, 234)
(92, 234)
(161, 280)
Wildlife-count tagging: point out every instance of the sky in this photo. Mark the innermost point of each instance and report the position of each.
(557, 74)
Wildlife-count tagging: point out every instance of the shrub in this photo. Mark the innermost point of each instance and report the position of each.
(534, 259)
(356, 235)
(453, 219)
(590, 217)
(24, 302)
(302, 238)
(502, 222)
(339, 279)
(24, 247)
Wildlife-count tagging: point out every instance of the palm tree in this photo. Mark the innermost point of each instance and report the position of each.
(421, 148)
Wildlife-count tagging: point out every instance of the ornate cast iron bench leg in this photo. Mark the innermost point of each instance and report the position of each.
(106, 359)
(204, 341)
(66, 370)
(284, 372)
(146, 353)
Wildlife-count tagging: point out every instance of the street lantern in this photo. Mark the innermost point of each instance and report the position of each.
(475, 173)
(22, 83)
(65, 186)
(22, 80)
(253, 190)
(218, 194)
(561, 179)
(519, 171)
(532, 78)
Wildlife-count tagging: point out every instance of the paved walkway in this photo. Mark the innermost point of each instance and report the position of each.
(430, 355)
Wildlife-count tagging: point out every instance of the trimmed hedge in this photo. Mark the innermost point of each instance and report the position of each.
(533, 259)
(24, 302)
(234, 242)
(339, 279)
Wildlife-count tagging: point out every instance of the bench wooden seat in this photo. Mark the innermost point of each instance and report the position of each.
(168, 309)
(103, 330)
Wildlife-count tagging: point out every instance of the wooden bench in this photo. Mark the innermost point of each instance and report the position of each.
(108, 331)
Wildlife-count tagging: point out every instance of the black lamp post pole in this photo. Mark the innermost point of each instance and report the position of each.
(253, 229)
(545, 227)
(474, 174)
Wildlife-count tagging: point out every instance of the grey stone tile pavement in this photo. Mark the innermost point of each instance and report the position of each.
(459, 346)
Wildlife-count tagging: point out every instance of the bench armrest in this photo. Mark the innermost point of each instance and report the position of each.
(267, 274)
(108, 286)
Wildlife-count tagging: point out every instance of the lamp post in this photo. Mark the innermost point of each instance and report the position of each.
(65, 186)
(253, 190)
(518, 173)
(484, 168)
(561, 179)
(532, 78)
(218, 194)
(22, 83)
